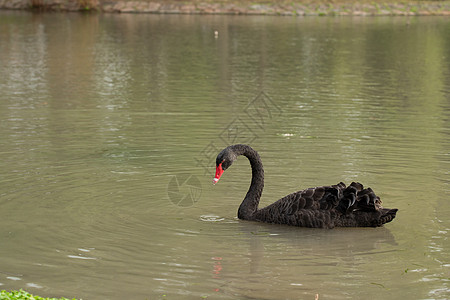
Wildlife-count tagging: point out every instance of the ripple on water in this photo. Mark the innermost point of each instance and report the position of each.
(81, 257)
(211, 218)
(13, 278)
(34, 285)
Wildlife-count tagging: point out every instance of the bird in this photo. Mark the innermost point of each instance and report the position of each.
(318, 207)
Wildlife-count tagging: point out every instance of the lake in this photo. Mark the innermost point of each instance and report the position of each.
(110, 125)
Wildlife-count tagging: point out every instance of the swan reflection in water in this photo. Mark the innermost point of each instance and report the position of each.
(296, 262)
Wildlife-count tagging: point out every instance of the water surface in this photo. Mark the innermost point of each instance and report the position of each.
(110, 125)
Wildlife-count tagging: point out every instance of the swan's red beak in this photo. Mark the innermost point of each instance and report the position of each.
(219, 172)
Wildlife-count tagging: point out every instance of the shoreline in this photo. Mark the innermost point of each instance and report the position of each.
(276, 8)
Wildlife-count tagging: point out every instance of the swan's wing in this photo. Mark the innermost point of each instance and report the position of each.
(324, 198)
(327, 207)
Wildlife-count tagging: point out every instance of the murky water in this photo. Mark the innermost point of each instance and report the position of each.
(109, 128)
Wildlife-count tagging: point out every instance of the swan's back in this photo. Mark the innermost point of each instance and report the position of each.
(328, 207)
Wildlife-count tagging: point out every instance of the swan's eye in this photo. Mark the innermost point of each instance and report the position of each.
(225, 164)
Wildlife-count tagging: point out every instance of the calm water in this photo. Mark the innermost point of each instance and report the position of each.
(109, 128)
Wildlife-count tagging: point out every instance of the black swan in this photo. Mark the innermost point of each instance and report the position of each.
(320, 207)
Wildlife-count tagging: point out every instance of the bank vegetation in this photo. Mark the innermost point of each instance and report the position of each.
(241, 7)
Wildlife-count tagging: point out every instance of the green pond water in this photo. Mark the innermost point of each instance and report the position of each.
(110, 125)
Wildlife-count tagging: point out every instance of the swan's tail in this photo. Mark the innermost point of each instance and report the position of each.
(387, 215)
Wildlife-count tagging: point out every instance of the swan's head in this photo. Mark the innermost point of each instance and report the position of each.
(223, 161)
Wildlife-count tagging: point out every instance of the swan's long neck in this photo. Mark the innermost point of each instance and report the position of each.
(250, 204)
